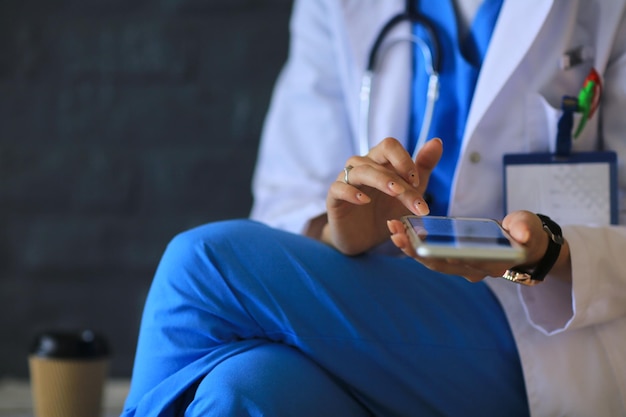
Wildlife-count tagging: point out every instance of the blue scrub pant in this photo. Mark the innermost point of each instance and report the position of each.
(246, 320)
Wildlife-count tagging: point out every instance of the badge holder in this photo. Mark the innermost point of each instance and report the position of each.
(570, 187)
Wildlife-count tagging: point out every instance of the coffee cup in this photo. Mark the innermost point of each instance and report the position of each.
(68, 371)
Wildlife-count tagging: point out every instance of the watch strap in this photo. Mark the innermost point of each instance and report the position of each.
(548, 260)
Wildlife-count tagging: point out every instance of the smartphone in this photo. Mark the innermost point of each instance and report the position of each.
(462, 238)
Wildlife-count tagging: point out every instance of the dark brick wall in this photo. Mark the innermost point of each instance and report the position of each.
(122, 123)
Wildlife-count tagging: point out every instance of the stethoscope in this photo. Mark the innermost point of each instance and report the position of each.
(432, 60)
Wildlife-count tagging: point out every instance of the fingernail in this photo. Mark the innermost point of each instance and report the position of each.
(421, 207)
(395, 187)
(413, 179)
(363, 198)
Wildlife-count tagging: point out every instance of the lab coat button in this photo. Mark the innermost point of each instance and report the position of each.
(474, 157)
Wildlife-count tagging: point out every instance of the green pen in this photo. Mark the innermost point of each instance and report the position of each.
(588, 99)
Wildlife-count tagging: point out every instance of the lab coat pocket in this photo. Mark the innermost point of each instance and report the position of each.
(542, 123)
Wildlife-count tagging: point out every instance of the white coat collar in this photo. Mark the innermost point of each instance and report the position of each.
(521, 20)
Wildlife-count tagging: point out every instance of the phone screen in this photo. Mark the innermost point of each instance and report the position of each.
(462, 237)
(459, 231)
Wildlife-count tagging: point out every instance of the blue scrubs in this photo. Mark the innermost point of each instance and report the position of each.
(461, 60)
(246, 320)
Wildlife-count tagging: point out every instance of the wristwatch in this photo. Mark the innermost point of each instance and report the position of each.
(546, 263)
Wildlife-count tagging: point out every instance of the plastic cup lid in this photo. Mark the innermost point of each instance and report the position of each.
(84, 344)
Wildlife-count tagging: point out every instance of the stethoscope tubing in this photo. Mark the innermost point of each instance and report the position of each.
(432, 62)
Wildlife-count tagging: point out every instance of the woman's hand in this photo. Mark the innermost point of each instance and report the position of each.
(384, 184)
(523, 226)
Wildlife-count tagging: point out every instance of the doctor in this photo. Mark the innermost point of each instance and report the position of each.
(246, 319)
(571, 338)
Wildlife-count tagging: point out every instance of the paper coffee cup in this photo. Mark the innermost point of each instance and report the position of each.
(68, 371)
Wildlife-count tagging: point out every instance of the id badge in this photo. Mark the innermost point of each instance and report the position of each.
(579, 188)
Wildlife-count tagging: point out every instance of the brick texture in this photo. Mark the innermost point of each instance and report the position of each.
(122, 123)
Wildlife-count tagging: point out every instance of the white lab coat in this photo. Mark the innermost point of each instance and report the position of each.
(571, 339)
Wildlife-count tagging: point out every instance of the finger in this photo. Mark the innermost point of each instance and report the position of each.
(427, 159)
(347, 175)
(526, 228)
(519, 224)
(457, 267)
(399, 236)
(402, 243)
(388, 182)
(482, 268)
(375, 177)
(391, 152)
(396, 227)
(400, 239)
(341, 192)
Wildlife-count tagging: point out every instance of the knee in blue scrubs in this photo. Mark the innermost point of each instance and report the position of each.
(272, 380)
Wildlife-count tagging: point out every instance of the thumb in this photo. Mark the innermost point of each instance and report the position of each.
(426, 160)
